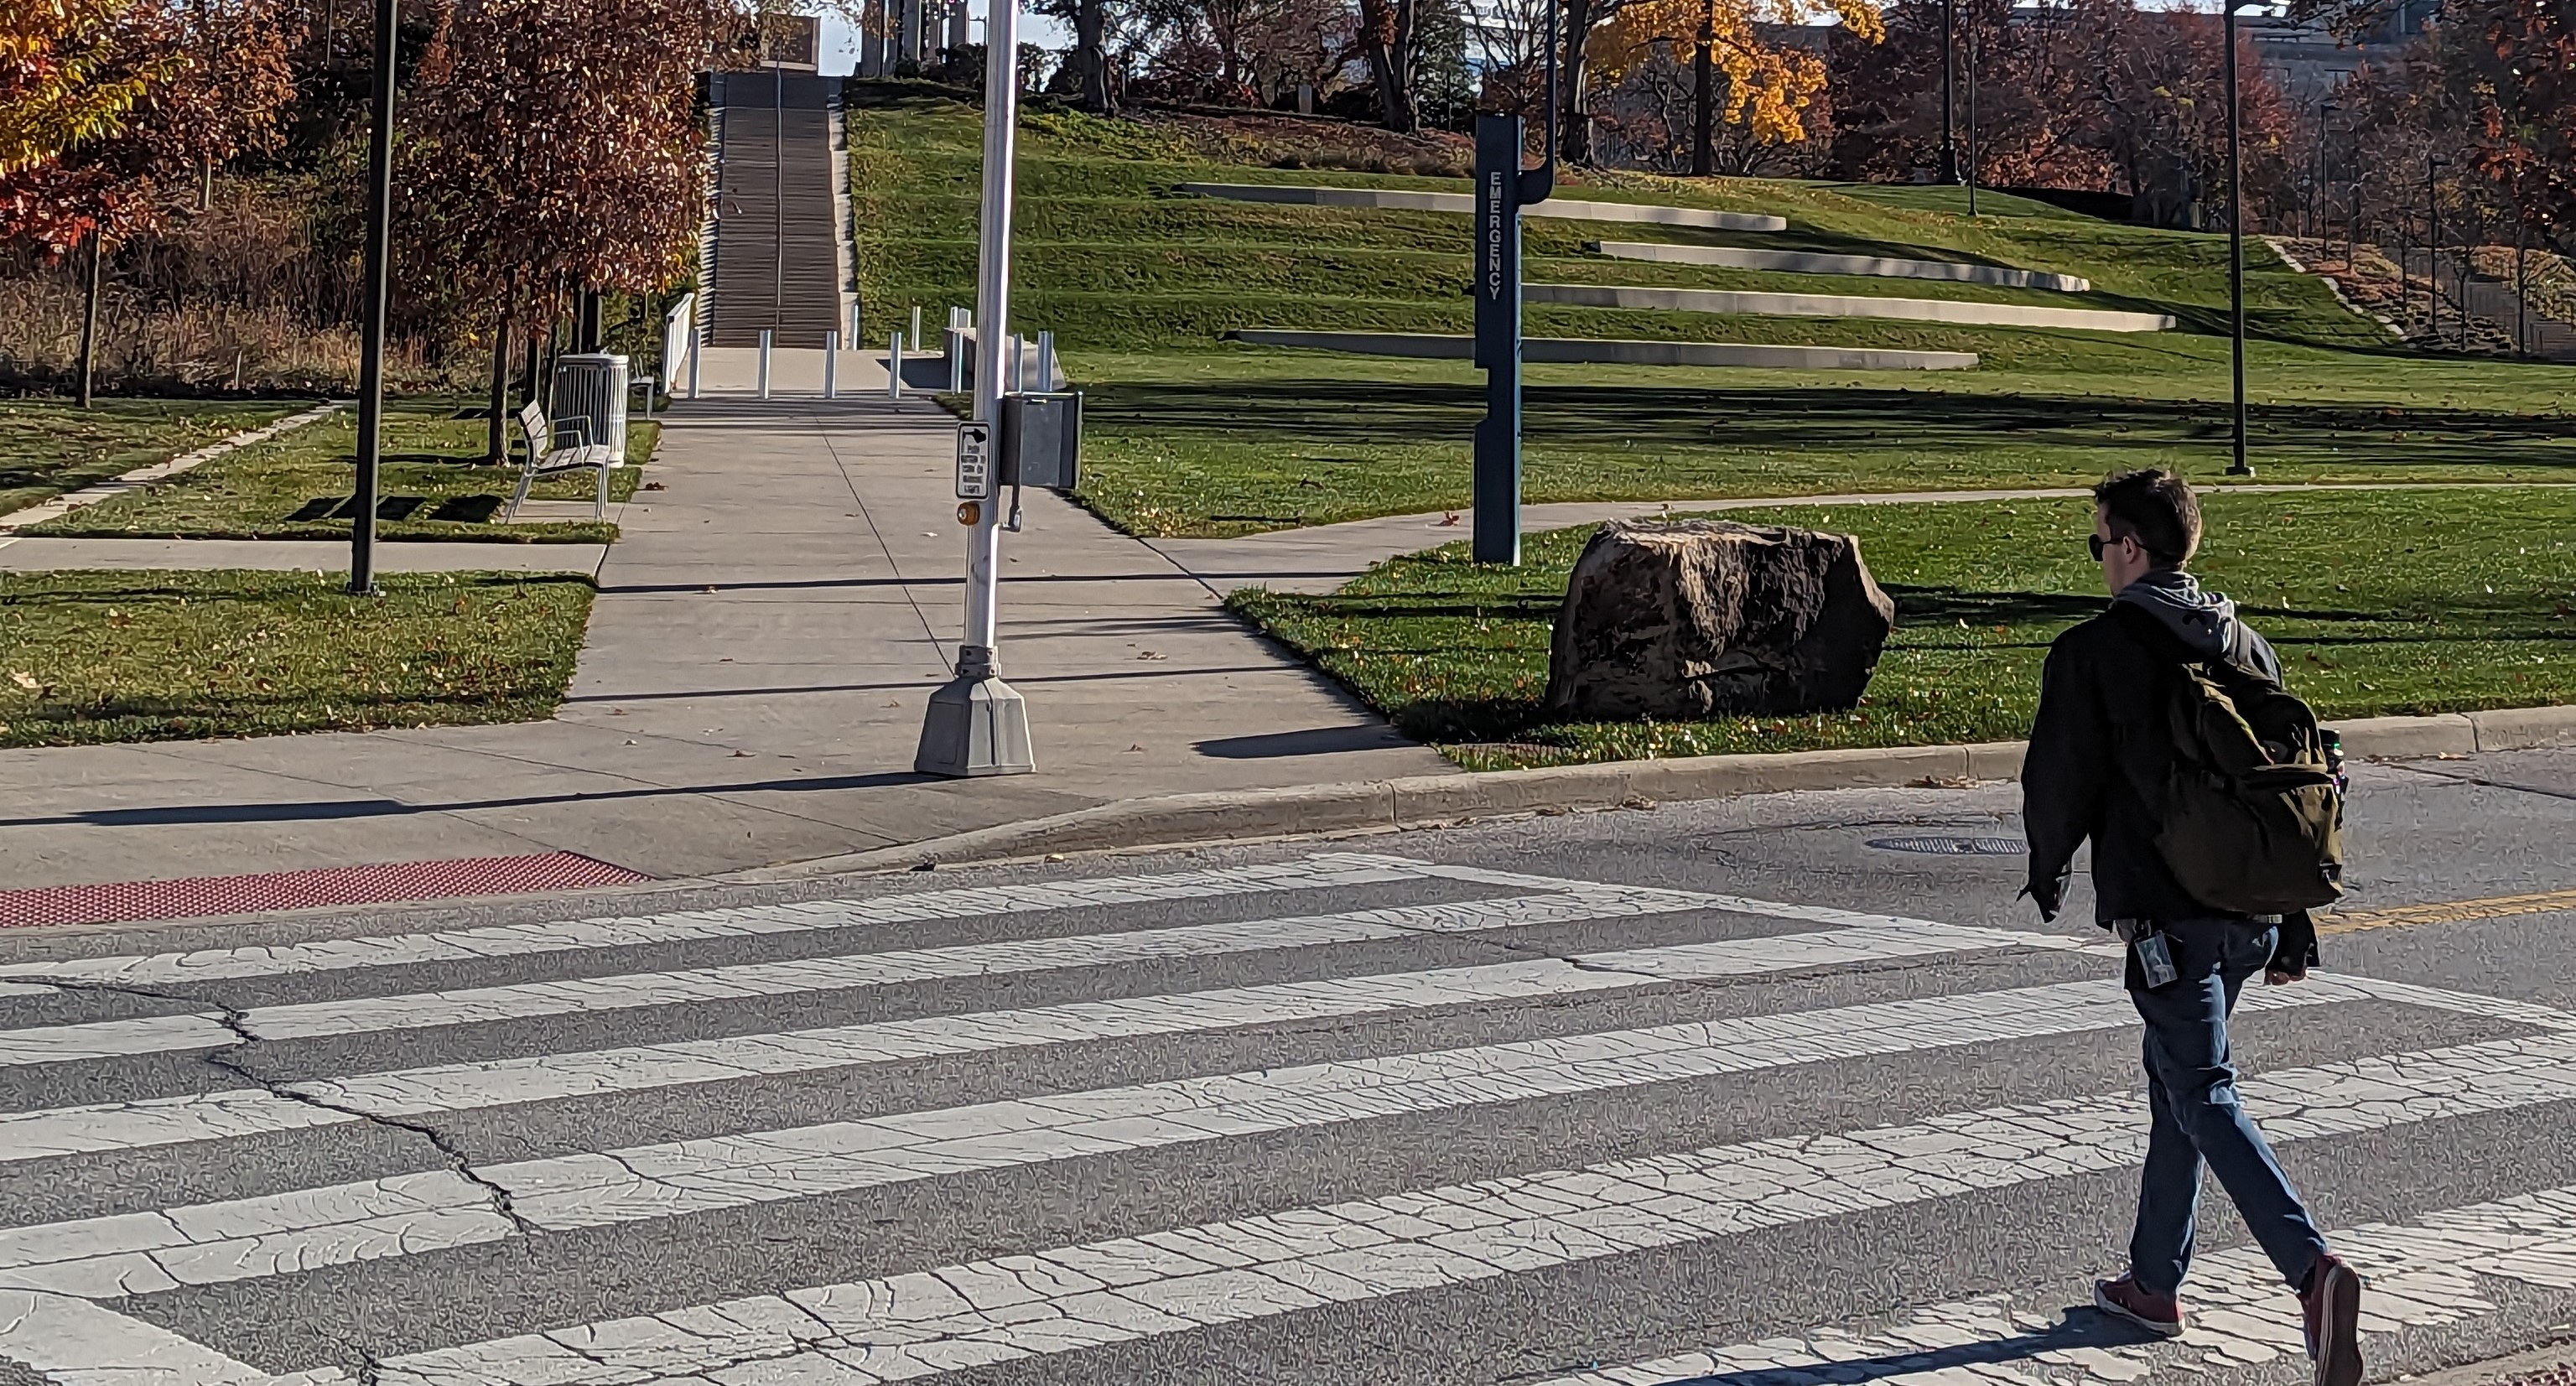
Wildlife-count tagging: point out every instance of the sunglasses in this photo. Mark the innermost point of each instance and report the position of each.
(2094, 542)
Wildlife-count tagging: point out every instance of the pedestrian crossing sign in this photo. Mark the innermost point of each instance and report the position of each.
(974, 461)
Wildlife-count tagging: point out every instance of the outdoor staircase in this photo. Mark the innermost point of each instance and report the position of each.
(2492, 301)
(776, 259)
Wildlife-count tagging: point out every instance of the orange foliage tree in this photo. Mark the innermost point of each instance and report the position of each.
(1768, 85)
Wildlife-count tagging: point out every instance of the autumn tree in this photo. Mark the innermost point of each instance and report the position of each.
(2518, 65)
(2036, 91)
(61, 80)
(1767, 83)
(207, 79)
(551, 149)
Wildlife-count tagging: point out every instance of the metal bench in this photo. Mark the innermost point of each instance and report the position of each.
(545, 459)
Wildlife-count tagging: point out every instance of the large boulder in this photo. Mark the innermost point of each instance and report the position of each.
(1682, 619)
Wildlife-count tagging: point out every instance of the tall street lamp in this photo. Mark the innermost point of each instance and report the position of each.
(2235, 246)
(2433, 250)
(371, 339)
(1949, 76)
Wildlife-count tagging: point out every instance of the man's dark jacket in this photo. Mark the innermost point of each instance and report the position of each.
(2101, 745)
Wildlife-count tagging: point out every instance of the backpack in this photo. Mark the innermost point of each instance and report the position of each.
(2252, 821)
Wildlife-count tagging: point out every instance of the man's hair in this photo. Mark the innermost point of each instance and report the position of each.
(2156, 508)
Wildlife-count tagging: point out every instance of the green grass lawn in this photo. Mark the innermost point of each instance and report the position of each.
(1234, 441)
(2379, 602)
(90, 657)
(1187, 435)
(431, 486)
(48, 447)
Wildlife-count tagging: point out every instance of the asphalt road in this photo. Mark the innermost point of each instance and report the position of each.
(1743, 1092)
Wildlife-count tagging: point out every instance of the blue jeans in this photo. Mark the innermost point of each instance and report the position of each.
(2191, 1094)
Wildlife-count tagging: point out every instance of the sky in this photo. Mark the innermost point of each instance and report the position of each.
(841, 46)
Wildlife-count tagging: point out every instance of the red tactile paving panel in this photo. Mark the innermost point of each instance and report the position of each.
(127, 901)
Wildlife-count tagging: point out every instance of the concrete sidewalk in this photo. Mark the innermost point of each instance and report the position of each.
(766, 637)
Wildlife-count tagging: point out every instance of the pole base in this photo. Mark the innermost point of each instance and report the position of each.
(975, 727)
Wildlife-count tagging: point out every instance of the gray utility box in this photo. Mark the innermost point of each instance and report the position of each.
(1042, 440)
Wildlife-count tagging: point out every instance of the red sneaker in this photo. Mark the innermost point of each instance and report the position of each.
(2332, 1308)
(2123, 1299)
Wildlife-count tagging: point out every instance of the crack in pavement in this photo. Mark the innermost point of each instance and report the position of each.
(233, 1059)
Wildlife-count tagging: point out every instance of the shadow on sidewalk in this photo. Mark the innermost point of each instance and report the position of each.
(335, 809)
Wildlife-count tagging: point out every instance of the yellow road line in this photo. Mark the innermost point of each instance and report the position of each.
(2447, 912)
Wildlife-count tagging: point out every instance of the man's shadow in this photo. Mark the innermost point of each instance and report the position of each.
(2082, 1327)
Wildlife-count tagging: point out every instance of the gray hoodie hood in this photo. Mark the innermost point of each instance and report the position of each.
(2206, 621)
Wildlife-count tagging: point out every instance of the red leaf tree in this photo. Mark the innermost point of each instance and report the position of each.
(551, 149)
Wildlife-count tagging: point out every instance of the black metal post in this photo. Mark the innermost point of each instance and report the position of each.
(2521, 288)
(1949, 74)
(778, 182)
(1503, 188)
(1703, 102)
(2235, 248)
(89, 314)
(371, 359)
(1971, 169)
(2433, 251)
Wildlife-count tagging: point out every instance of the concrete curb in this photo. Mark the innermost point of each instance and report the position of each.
(1423, 200)
(1810, 262)
(1615, 351)
(1961, 312)
(1435, 800)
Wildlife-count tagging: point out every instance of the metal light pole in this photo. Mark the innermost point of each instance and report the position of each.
(2235, 249)
(1949, 75)
(371, 351)
(2433, 250)
(1972, 116)
(778, 184)
(977, 724)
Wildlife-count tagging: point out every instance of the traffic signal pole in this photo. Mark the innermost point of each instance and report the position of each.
(978, 725)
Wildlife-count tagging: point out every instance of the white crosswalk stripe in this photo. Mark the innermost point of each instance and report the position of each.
(625, 1109)
(461, 1087)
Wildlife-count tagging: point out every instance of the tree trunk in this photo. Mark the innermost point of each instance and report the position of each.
(496, 443)
(1703, 115)
(1090, 53)
(528, 375)
(1387, 37)
(89, 315)
(1580, 17)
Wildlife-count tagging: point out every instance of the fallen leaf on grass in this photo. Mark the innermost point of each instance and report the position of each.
(24, 679)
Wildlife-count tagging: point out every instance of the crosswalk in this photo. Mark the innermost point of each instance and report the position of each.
(1345, 1116)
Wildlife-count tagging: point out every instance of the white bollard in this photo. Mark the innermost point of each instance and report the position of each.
(697, 353)
(914, 336)
(956, 361)
(1018, 374)
(894, 363)
(831, 365)
(764, 363)
(1046, 362)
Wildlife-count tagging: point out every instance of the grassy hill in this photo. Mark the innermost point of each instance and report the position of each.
(1190, 435)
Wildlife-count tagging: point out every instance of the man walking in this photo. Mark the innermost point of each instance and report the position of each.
(2099, 753)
